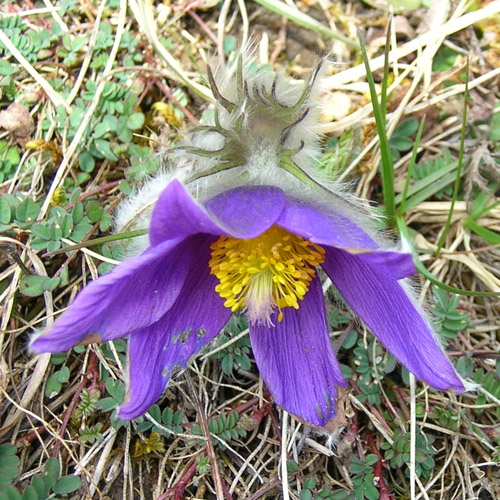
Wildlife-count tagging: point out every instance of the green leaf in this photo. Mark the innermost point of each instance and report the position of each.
(81, 230)
(11, 493)
(371, 459)
(52, 469)
(40, 487)
(9, 464)
(104, 148)
(67, 484)
(5, 211)
(401, 143)
(488, 235)
(41, 230)
(34, 285)
(30, 494)
(105, 222)
(27, 211)
(86, 161)
(135, 121)
(227, 364)
(444, 60)
(305, 495)
(6, 68)
(406, 128)
(94, 211)
(63, 375)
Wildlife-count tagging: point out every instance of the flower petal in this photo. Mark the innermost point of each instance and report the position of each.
(331, 229)
(244, 212)
(385, 307)
(398, 265)
(296, 359)
(133, 295)
(195, 319)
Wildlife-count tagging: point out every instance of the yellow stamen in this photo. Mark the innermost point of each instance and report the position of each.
(260, 274)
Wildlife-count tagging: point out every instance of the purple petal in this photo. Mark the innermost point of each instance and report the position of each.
(296, 359)
(135, 294)
(385, 307)
(248, 211)
(397, 265)
(244, 212)
(324, 228)
(195, 319)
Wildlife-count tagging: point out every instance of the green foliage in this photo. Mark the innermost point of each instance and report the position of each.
(43, 486)
(116, 389)
(224, 426)
(340, 152)
(55, 381)
(447, 417)
(398, 454)
(202, 465)
(363, 478)
(237, 352)
(9, 465)
(400, 141)
(371, 364)
(87, 405)
(9, 160)
(34, 285)
(433, 166)
(167, 418)
(33, 44)
(451, 319)
(491, 383)
(445, 59)
(91, 434)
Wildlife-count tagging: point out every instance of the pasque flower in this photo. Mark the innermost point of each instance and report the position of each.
(242, 221)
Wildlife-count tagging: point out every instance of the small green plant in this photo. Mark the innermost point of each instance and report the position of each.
(398, 454)
(237, 352)
(91, 434)
(87, 405)
(491, 384)
(44, 486)
(363, 478)
(447, 417)
(55, 382)
(9, 160)
(451, 319)
(400, 141)
(340, 152)
(224, 426)
(432, 167)
(167, 418)
(371, 363)
(202, 464)
(9, 465)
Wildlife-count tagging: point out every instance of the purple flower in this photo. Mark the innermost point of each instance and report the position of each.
(254, 248)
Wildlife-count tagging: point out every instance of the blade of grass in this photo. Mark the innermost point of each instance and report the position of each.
(308, 22)
(413, 160)
(403, 230)
(430, 189)
(456, 187)
(385, 79)
(98, 241)
(387, 167)
(487, 234)
(480, 203)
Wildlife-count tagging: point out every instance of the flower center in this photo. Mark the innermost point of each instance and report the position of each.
(259, 274)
